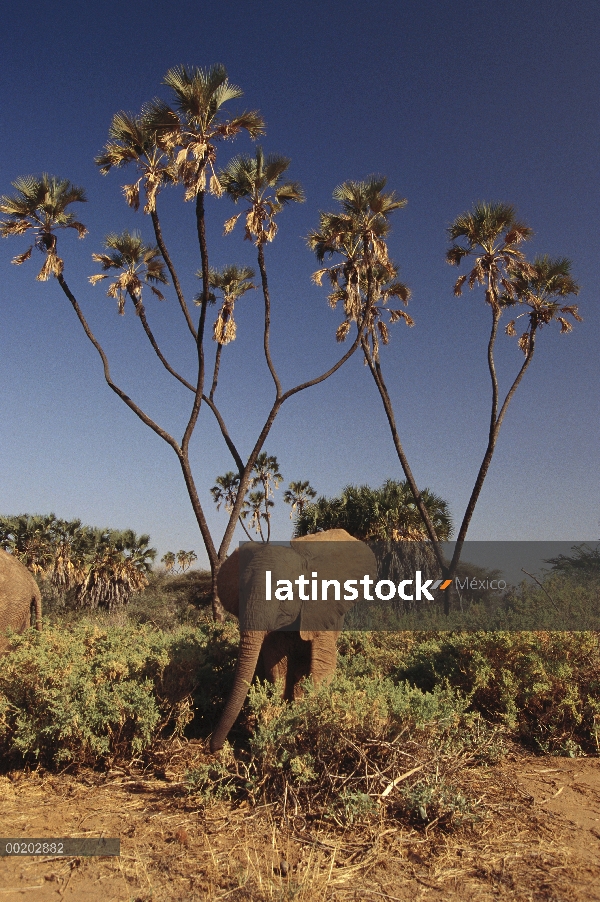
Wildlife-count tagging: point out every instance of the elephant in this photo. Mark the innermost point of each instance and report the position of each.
(20, 598)
(293, 638)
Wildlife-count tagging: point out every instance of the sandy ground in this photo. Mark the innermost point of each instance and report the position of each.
(539, 840)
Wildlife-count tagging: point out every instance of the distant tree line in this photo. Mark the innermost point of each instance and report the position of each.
(98, 568)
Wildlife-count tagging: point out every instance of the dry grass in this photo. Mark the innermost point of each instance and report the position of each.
(174, 848)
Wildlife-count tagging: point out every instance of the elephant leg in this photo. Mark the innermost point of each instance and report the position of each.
(323, 655)
(301, 665)
(280, 654)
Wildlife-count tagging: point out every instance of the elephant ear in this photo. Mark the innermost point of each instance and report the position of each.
(333, 555)
(257, 610)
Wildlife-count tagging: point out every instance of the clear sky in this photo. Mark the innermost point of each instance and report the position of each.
(454, 103)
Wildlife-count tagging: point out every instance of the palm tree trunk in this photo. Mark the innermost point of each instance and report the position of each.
(495, 423)
(213, 387)
(375, 368)
(267, 330)
(165, 255)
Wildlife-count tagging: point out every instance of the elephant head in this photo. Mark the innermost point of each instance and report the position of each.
(19, 598)
(296, 635)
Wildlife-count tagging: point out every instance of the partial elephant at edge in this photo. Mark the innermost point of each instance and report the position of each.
(19, 598)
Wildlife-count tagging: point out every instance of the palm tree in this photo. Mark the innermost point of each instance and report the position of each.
(492, 235)
(225, 492)
(41, 204)
(31, 540)
(118, 569)
(387, 514)
(232, 282)
(189, 132)
(185, 559)
(364, 280)
(357, 232)
(258, 505)
(132, 140)
(191, 128)
(540, 287)
(266, 474)
(298, 494)
(258, 181)
(138, 264)
(168, 559)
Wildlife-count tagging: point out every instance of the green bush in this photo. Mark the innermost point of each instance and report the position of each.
(93, 693)
(545, 686)
(334, 751)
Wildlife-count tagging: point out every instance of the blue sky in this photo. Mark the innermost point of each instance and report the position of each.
(454, 104)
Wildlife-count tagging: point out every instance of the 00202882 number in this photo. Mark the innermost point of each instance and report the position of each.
(38, 848)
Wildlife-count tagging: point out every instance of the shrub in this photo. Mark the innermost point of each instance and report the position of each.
(334, 752)
(543, 685)
(96, 693)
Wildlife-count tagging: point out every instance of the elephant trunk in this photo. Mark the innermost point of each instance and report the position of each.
(248, 652)
(36, 609)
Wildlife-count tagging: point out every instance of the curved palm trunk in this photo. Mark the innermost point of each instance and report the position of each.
(495, 424)
(248, 652)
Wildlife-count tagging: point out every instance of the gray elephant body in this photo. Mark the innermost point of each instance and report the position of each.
(289, 638)
(19, 598)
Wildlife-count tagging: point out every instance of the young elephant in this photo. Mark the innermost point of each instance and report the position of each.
(295, 638)
(19, 598)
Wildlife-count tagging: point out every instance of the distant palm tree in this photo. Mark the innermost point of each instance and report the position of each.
(168, 560)
(41, 204)
(185, 559)
(387, 514)
(257, 505)
(298, 494)
(118, 570)
(267, 475)
(225, 492)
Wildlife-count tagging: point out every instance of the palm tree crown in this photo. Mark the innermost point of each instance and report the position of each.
(540, 287)
(132, 140)
(190, 129)
(492, 234)
(225, 490)
(232, 282)
(41, 204)
(258, 180)
(298, 494)
(138, 263)
(365, 279)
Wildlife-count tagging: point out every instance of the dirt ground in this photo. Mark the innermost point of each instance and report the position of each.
(539, 839)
